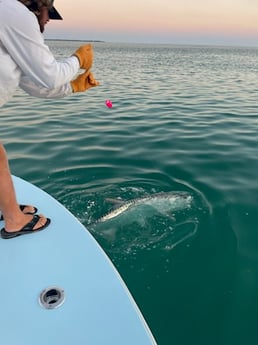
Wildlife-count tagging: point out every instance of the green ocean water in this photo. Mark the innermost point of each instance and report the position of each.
(184, 119)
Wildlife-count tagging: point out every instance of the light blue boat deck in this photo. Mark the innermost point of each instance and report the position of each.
(98, 308)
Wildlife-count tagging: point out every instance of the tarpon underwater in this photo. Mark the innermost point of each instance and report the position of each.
(164, 203)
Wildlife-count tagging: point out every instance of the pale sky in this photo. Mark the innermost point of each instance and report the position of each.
(226, 22)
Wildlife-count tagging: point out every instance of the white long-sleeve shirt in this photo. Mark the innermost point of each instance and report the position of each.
(26, 61)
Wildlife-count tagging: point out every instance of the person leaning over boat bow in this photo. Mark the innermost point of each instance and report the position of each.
(27, 62)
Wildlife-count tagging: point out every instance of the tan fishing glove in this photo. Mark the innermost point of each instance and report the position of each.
(85, 55)
(84, 82)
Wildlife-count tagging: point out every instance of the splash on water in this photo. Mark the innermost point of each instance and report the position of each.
(160, 221)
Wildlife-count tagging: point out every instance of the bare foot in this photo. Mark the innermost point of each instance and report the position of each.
(17, 225)
(28, 209)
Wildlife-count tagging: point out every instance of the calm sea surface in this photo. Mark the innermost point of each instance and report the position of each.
(184, 119)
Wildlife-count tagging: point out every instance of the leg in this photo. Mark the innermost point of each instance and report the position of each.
(14, 218)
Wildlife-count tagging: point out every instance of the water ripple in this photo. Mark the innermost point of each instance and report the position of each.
(184, 118)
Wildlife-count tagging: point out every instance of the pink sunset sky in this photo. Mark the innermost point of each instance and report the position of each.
(230, 22)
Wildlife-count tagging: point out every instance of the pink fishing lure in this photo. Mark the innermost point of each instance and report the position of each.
(109, 104)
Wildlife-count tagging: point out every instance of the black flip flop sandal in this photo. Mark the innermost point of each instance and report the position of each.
(27, 229)
(22, 207)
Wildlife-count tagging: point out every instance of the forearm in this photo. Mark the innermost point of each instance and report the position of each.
(39, 91)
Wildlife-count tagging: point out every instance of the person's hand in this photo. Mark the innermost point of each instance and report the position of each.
(85, 56)
(84, 82)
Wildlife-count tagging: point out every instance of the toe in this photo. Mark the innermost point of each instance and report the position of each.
(41, 222)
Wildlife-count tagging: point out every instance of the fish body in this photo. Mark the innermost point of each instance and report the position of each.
(161, 202)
